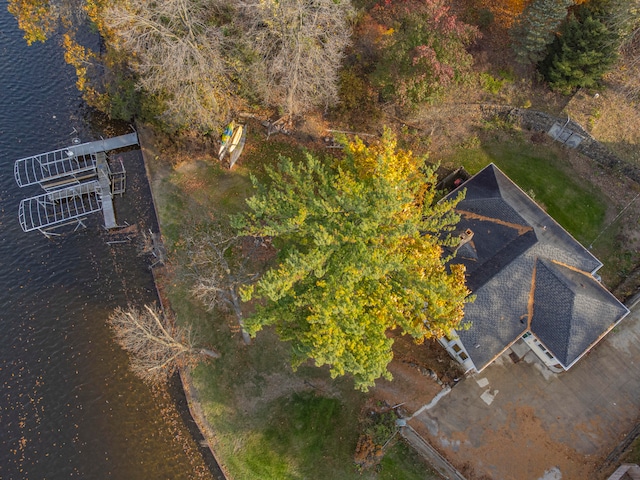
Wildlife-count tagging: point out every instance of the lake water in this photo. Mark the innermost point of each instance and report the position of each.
(69, 407)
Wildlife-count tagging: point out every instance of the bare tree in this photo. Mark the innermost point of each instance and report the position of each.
(156, 347)
(219, 267)
(625, 19)
(299, 45)
(176, 48)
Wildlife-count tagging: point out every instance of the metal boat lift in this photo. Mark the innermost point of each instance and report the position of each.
(78, 182)
(65, 206)
(54, 168)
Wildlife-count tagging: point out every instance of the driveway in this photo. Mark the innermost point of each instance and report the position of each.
(520, 421)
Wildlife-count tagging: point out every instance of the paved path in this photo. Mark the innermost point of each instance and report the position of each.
(437, 461)
(520, 421)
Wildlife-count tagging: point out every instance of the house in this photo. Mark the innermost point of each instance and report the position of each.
(536, 287)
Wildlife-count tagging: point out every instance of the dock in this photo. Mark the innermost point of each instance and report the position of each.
(65, 206)
(104, 179)
(78, 181)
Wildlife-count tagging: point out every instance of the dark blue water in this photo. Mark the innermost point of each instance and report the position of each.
(68, 405)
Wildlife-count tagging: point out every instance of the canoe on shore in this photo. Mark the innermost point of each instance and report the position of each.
(238, 147)
(224, 141)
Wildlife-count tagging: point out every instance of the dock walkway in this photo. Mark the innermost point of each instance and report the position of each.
(78, 181)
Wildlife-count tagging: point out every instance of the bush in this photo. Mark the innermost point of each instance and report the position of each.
(490, 83)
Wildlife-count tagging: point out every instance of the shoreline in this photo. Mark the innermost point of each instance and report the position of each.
(193, 406)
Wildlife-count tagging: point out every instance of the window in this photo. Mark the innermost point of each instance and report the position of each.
(549, 355)
(463, 356)
(456, 348)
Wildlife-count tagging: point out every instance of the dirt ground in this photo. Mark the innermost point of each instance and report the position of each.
(503, 444)
(419, 373)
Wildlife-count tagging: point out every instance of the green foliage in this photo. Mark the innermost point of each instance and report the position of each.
(363, 257)
(490, 83)
(358, 98)
(124, 98)
(422, 50)
(534, 29)
(581, 54)
(381, 426)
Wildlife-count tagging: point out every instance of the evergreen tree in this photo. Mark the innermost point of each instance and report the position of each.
(582, 53)
(362, 255)
(534, 30)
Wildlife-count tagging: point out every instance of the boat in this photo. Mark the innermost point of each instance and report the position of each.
(235, 138)
(236, 149)
(224, 141)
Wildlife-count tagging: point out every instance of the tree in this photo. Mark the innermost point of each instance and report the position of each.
(361, 257)
(623, 17)
(176, 48)
(504, 11)
(155, 346)
(581, 54)
(297, 48)
(35, 18)
(534, 30)
(221, 263)
(423, 50)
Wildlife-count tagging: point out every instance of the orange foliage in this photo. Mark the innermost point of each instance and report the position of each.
(35, 18)
(504, 11)
(367, 454)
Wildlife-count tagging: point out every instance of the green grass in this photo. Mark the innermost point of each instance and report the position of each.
(612, 250)
(401, 462)
(268, 420)
(632, 455)
(305, 436)
(540, 171)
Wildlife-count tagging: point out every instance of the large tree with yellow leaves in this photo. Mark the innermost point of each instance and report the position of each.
(361, 256)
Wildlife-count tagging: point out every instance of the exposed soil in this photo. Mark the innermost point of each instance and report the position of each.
(419, 373)
(503, 446)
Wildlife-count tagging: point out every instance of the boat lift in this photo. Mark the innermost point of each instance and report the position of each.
(78, 181)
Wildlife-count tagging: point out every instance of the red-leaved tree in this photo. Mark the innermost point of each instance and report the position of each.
(422, 51)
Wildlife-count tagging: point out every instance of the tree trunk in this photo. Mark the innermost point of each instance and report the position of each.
(235, 301)
(209, 353)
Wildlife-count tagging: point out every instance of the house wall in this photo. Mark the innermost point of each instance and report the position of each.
(456, 349)
(543, 353)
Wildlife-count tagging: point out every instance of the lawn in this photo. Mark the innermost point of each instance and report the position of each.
(541, 171)
(270, 422)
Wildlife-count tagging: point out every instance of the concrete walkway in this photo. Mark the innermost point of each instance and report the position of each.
(437, 461)
(520, 421)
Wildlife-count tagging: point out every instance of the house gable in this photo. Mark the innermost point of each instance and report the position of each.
(571, 310)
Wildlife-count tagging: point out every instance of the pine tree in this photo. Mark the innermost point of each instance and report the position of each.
(534, 30)
(582, 53)
(361, 257)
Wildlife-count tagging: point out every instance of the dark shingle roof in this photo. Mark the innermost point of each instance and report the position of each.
(571, 310)
(511, 236)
